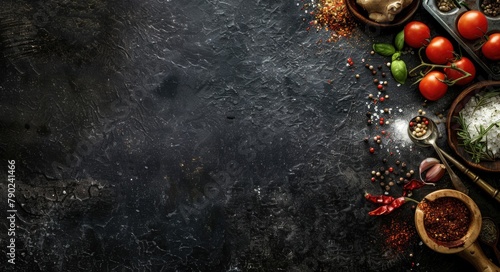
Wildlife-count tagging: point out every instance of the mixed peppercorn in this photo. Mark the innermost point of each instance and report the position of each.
(419, 126)
(491, 7)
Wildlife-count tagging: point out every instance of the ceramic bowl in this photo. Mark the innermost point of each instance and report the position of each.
(452, 125)
(402, 18)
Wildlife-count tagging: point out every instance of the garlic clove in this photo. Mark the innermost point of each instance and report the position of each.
(426, 164)
(435, 173)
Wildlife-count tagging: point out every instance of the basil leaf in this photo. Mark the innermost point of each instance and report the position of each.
(384, 49)
(399, 41)
(398, 70)
(396, 56)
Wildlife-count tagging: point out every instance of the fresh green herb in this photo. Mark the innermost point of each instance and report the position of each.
(485, 98)
(476, 147)
(398, 66)
(399, 40)
(384, 49)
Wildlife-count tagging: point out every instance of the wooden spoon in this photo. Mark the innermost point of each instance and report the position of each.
(469, 248)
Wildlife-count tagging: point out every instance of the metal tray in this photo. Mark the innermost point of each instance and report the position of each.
(473, 48)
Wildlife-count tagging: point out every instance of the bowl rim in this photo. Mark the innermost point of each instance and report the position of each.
(404, 16)
(451, 125)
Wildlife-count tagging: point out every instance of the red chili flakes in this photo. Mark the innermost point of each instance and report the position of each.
(333, 16)
(446, 219)
(399, 234)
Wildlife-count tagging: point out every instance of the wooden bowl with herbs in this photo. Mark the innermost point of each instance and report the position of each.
(473, 126)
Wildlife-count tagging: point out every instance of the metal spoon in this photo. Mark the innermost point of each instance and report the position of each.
(429, 139)
(489, 235)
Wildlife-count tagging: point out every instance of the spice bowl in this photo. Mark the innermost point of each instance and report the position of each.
(464, 220)
(361, 15)
(453, 126)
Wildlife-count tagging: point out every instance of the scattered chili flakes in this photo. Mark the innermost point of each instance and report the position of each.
(333, 16)
(399, 234)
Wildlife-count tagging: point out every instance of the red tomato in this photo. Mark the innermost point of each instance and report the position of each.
(440, 50)
(472, 24)
(432, 86)
(417, 34)
(491, 48)
(465, 64)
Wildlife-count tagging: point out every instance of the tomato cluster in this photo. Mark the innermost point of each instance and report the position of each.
(472, 25)
(447, 67)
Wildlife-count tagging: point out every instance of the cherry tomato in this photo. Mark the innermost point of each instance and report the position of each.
(472, 24)
(465, 64)
(417, 34)
(432, 86)
(439, 50)
(491, 48)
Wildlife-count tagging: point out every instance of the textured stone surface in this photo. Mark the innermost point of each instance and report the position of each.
(199, 136)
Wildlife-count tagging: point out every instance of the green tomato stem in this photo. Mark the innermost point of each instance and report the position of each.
(436, 66)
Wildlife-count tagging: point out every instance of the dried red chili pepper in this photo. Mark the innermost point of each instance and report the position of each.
(412, 185)
(386, 209)
(381, 210)
(379, 199)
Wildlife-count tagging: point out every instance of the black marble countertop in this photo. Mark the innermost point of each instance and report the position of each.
(192, 135)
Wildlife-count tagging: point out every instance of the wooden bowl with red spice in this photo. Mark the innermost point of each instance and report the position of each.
(401, 19)
(448, 221)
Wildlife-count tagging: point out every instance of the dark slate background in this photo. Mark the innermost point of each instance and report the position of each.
(197, 135)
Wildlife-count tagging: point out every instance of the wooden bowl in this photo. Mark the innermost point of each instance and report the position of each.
(452, 125)
(402, 18)
(472, 233)
(467, 247)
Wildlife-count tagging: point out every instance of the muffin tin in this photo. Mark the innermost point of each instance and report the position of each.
(449, 21)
